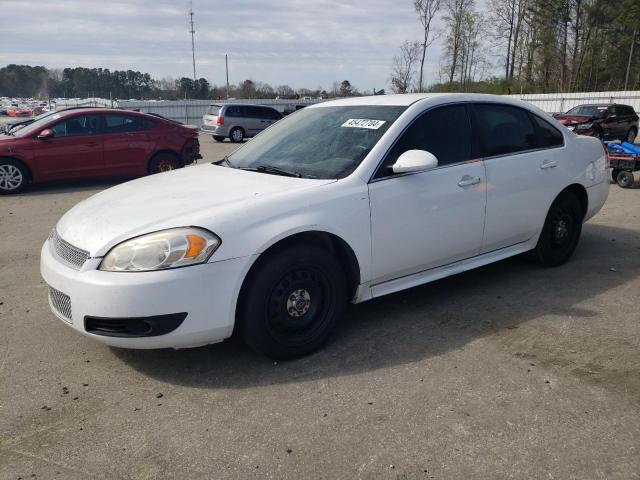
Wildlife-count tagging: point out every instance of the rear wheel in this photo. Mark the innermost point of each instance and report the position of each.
(631, 135)
(163, 162)
(561, 231)
(292, 302)
(218, 138)
(14, 176)
(236, 135)
(625, 179)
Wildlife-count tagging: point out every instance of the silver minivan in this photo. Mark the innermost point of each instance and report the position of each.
(237, 121)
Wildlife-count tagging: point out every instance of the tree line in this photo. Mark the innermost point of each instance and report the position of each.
(530, 46)
(29, 81)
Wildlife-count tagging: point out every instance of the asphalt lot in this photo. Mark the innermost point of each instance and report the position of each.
(508, 371)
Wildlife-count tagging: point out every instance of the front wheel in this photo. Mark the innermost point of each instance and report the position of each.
(625, 179)
(14, 176)
(631, 135)
(561, 231)
(292, 302)
(163, 162)
(614, 175)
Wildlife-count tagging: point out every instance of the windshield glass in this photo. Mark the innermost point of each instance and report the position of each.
(323, 142)
(38, 124)
(590, 110)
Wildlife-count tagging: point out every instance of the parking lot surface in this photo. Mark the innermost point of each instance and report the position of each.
(508, 371)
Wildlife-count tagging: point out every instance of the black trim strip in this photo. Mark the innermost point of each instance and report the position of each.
(134, 327)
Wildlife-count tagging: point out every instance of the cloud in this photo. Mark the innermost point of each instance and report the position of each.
(297, 42)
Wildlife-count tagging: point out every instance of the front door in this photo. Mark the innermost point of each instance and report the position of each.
(428, 219)
(74, 151)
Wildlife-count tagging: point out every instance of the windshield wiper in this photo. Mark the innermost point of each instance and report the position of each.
(226, 161)
(273, 170)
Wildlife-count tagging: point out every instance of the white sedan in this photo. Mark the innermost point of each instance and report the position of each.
(343, 201)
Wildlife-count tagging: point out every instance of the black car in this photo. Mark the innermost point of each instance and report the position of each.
(605, 121)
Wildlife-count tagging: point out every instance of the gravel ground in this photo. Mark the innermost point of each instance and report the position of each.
(508, 371)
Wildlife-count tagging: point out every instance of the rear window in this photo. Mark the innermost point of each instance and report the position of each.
(504, 129)
(213, 110)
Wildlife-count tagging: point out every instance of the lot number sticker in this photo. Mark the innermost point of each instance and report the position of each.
(363, 123)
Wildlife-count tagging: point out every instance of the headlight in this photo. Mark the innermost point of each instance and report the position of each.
(176, 247)
(584, 126)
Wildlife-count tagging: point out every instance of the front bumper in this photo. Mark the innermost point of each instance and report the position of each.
(207, 293)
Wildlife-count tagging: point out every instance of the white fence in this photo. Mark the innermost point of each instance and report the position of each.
(191, 111)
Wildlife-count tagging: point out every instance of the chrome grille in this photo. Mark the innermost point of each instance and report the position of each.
(60, 303)
(73, 256)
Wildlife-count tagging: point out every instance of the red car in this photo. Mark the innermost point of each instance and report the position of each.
(94, 143)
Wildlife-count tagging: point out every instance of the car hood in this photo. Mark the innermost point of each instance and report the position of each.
(573, 119)
(202, 195)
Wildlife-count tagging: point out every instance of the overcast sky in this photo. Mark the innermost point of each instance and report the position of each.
(303, 43)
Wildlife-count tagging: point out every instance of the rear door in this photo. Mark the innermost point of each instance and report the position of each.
(128, 144)
(523, 158)
(75, 150)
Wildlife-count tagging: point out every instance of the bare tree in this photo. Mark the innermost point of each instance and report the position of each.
(426, 10)
(455, 18)
(403, 69)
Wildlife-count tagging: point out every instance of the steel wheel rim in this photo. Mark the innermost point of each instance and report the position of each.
(10, 177)
(298, 306)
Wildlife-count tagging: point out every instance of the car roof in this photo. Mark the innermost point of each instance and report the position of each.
(406, 99)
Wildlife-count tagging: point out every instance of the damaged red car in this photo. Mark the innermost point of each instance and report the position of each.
(605, 121)
(94, 143)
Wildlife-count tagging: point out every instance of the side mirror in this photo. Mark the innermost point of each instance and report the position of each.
(46, 133)
(415, 161)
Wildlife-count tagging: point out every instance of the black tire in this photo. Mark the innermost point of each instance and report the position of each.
(561, 231)
(218, 138)
(163, 162)
(625, 179)
(14, 176)
(631, 135)
(292, 302)
(236, 135)
(614, 175)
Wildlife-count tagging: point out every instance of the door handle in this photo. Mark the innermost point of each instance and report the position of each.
(548, 164)
(468, 180)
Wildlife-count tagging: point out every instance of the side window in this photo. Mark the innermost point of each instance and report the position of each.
(548, 136)
(126, 123)
(504, 129)
(243, 111)
(273, 114)
(255, 112)
(79, 125)
(444, 131)
(233, 111)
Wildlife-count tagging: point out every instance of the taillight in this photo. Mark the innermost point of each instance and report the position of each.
(220, 121)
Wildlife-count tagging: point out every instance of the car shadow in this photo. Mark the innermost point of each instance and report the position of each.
(415, 324)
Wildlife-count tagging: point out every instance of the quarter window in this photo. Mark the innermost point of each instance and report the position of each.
(548, 136)
(444, 131)
(504, 129)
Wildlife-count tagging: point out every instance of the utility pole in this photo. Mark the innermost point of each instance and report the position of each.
(226, 66)
(193, 44)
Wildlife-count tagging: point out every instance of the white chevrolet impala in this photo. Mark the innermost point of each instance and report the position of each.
(341, 202)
